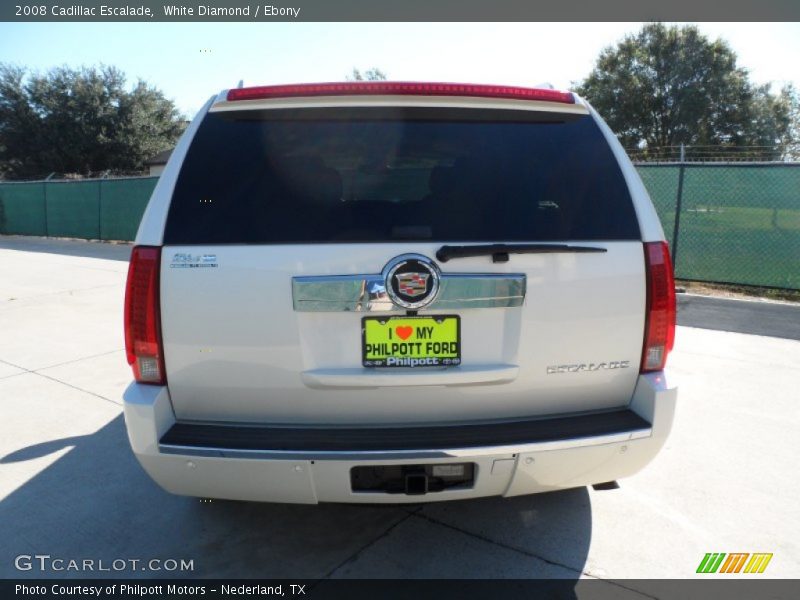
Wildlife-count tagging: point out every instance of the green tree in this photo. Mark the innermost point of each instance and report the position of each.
(373, 74)
(79, 121)
(786, 109)
(669, 85)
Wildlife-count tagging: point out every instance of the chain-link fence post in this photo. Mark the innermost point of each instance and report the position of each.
(678, 202)
(44, 187)
(100, 209)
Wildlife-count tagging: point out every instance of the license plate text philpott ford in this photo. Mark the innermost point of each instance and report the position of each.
(411, 341)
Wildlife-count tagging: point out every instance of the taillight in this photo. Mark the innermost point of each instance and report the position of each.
(659, 335)
(399, 88)
(143, 316)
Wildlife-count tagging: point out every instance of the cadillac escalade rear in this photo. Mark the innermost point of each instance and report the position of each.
(394, 292)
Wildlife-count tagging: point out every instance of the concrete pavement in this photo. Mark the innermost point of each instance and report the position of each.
(70, 487)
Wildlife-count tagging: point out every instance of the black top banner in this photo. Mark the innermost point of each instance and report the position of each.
(398, 10)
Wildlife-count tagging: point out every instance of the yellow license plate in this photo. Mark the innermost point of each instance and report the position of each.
(411, 341)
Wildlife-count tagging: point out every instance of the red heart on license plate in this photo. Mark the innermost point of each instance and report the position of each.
(404, 332)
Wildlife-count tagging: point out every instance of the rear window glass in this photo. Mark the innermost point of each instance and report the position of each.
(318, 176)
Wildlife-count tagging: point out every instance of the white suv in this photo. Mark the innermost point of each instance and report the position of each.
(397, 292)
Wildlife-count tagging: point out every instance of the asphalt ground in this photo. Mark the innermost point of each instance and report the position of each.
(726, 480)
(757, 317)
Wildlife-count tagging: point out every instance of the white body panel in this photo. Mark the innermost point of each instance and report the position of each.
(236, 351)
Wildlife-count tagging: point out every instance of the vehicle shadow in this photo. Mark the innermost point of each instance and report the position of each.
(95, 502)
(90, 249)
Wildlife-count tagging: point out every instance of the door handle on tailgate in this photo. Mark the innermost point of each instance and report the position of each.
(374, 378)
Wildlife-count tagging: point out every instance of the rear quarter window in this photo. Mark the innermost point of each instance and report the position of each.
(326, 176)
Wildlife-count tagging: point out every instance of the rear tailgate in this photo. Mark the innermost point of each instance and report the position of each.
(235, 349)
(269, 196)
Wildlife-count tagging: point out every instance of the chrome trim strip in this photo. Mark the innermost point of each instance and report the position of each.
(565, 444)
(367, 293)
(468, 290)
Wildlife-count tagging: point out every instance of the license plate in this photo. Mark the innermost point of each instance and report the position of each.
(411, 341)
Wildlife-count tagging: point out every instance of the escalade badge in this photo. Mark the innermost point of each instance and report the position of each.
(412, 281)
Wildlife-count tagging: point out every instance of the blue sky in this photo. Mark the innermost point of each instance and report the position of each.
(192, 61)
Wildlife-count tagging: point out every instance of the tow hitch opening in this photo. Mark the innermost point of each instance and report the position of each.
(416, 484)
(412, 480)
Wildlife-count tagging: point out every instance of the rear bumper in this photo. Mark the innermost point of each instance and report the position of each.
(313, 465)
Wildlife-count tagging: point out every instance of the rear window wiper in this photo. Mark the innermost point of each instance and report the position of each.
(500, 252)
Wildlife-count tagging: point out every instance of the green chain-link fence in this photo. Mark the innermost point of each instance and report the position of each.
(737, 223)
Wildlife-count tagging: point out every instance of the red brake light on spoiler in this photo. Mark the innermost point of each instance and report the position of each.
(399, 88)
(659, 335)
(143, 316)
